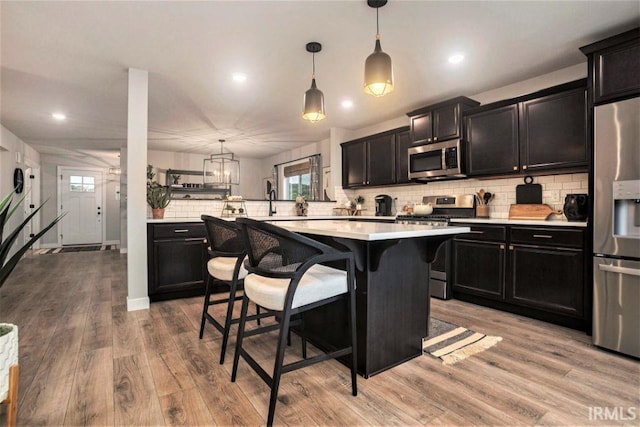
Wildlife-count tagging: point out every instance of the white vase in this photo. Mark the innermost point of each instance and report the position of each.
(8, 357)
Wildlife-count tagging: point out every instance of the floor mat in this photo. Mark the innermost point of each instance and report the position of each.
(85, 248)
(452, 343)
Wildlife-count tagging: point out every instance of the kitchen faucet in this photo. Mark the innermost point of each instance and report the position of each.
(272, 197)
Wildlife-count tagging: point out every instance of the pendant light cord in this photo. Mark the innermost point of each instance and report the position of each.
(313, 61)
(377, 24)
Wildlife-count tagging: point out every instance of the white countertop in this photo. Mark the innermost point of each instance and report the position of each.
(506, 221)
(280, 218)
(368, 231)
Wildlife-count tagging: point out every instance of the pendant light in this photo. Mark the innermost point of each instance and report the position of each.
(378, 72)
(221, 170)
(313, 98)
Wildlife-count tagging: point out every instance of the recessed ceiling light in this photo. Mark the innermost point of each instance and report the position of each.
(239, 77)
(59, 116)
(456, 58)
(347, 103)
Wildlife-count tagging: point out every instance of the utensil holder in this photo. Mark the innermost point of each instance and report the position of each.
(482, 211)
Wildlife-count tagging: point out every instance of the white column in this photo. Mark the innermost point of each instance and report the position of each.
(137, 113)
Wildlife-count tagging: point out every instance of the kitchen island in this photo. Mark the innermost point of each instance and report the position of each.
(392, 288)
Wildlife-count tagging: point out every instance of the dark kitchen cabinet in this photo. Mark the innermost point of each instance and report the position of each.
(403, 142)
(439, 122)
(553, 131)
(491, 138)
(354, 160)
(543, 131)
(614, 67)
(480, 262)
(376, 160)
(542, 273)
(381, 155)
(177, 256)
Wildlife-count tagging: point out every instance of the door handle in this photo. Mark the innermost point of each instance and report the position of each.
(543, 236)
(620, 270)
(181, 231)
(476, 232)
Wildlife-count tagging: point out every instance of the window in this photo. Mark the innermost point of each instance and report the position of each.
(297, 181)
(82, 184)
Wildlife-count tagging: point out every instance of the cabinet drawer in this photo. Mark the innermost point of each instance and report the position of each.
(547, 236)
(483, 232)
(178, 231)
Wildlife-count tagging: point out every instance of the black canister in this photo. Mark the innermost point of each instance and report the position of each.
(576, 207)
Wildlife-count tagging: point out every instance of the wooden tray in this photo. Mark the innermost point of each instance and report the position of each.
(530, 211)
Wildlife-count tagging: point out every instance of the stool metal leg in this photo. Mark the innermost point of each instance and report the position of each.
(352, 326)
(207, 295)
(243, 319)
(277, 369)
(227, 322)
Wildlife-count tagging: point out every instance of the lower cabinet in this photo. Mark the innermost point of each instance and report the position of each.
(480, 268)
(537, 272)
(547, 278)
(177, 256)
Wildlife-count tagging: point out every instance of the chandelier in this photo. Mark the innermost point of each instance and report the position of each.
(221, 170)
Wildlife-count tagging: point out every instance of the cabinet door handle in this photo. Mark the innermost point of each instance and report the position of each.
(510, 247)
(524, 167)
(428, 139)
(515, 168)
(502, 247)
(181, 231)
(543, 236)
(476, 232)
(435, 138)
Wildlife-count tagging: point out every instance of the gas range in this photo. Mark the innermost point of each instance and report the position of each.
(445, 208)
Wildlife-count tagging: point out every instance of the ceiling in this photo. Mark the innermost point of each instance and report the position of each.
(73, 57)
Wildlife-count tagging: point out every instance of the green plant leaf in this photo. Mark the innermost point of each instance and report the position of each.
(11, 238)
(7, 268)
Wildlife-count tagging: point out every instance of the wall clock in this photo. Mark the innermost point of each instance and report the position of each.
(18, 180)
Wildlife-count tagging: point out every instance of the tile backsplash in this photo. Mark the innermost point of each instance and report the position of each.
(554, 190)
(195, 208)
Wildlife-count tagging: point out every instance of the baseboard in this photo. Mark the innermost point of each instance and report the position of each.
(111, 242)
(123, 250)
(49, 245)
(134, 304)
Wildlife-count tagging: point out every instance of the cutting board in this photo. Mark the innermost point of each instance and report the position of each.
(531, 211)
(529, 193)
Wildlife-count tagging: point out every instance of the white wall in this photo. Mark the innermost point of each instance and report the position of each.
(13, 149)
(250, 170)
(49, 186)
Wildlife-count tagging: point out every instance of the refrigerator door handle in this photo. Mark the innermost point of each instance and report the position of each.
(621, 270)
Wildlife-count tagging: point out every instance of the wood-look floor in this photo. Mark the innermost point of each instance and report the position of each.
(85, 360)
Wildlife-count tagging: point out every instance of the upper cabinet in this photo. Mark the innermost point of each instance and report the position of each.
(614, 67)
(543, 131)
(553, 131)
(376, 160)
(439, 122)
(403, 142)
(493, 149)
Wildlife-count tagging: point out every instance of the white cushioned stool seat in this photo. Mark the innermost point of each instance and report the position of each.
(318, 283)
(222, 268)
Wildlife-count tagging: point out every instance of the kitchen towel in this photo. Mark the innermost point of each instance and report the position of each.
(452, 343)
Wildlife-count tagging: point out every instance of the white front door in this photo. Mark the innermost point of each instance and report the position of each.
(81, 199)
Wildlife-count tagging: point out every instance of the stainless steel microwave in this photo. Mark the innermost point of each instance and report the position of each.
(437, 161)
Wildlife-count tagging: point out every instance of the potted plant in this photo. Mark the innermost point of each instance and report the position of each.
(359, 202)
(158, 198)
(8, 332)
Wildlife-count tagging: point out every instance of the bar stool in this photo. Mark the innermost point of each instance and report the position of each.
(287, 278)
(227, 251)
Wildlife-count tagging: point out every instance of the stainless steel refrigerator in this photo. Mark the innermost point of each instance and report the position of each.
(616, 232)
